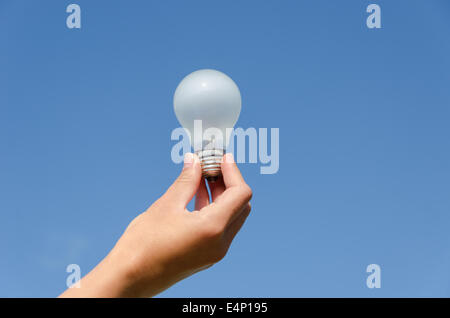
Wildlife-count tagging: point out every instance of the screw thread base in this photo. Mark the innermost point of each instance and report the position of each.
(211, 160)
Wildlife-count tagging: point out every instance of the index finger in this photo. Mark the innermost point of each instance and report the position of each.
(236, 195)
(231, 174)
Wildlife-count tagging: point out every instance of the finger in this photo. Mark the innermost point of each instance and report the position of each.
(230, 172)
(236, 225)
(185, 186)
(236, 195)
(202, 196)
(217, 188)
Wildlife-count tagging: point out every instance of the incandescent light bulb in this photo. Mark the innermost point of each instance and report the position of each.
(211, 99)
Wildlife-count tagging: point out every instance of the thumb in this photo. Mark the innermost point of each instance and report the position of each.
(185, 186)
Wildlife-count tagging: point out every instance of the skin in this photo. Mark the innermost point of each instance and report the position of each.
(168, 243)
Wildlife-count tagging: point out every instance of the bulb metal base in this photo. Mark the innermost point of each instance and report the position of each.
(210, 160)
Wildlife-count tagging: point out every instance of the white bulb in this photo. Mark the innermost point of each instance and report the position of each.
(212, 97)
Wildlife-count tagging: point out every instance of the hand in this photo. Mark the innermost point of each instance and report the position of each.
(167, 242)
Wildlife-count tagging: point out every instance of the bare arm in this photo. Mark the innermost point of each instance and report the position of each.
(167, 243)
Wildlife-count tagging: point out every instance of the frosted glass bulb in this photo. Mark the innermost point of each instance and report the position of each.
(212, 97)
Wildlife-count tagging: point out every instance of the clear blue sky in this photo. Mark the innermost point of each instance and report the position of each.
(86, 117)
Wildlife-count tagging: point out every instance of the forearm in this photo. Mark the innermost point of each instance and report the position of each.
(108, 279)
(121, 274)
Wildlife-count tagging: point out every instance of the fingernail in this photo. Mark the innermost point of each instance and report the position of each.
(229, 158)
(188, 160)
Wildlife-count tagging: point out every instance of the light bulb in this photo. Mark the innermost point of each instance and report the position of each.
(214, 99)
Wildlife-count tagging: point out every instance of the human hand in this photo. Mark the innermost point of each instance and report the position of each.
(167, 242)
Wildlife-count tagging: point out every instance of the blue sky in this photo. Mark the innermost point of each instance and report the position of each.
(86, 117)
